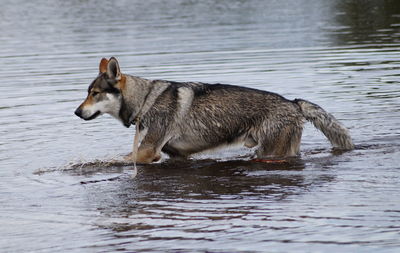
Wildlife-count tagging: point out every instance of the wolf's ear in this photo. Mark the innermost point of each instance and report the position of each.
(113, 71)
(103, 65)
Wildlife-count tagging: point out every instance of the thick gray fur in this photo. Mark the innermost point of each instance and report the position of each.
(182, 118)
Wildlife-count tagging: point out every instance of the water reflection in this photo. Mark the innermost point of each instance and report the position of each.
(367, 22)
(190, 190)
(200, 180)
(209, 179)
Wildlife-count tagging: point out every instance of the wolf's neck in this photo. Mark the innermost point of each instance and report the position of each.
(138, 97)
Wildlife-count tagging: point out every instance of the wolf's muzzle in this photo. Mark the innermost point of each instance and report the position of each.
(78, 112)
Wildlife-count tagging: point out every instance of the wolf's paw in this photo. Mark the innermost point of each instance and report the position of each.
(128, 157)
(143, 156)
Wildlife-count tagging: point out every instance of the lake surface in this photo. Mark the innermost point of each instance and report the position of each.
(56, 194)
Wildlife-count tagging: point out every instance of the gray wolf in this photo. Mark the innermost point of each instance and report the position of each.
(183, 118)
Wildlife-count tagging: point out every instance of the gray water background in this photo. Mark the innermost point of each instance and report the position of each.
(342, 55)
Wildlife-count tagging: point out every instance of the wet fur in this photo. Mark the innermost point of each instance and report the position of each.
(182, 118)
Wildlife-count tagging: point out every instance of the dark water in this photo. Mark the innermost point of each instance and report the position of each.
(343, 55)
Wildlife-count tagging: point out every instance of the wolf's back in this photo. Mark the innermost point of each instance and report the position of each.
(336, 133)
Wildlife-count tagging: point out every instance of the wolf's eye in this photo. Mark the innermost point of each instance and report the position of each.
(94, 93)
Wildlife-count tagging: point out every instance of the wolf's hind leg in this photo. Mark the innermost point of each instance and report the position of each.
(285, 143)
(250, 142)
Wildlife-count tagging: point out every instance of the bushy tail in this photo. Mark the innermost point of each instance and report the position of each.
(327, 124)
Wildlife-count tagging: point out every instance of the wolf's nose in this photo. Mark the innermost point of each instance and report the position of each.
(78, 112)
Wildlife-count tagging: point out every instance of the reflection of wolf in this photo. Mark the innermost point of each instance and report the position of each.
(184, 118)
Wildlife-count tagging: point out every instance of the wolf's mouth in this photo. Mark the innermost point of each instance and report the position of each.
(94, 115)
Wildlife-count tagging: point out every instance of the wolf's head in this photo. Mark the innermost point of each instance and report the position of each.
(104, 93)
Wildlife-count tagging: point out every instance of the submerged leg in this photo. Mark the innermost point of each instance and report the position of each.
(150, 147)
(285, 143)
(250, 142)
(148, 154)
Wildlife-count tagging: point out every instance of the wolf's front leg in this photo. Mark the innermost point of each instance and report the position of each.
(145, 154)
(152, 141)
